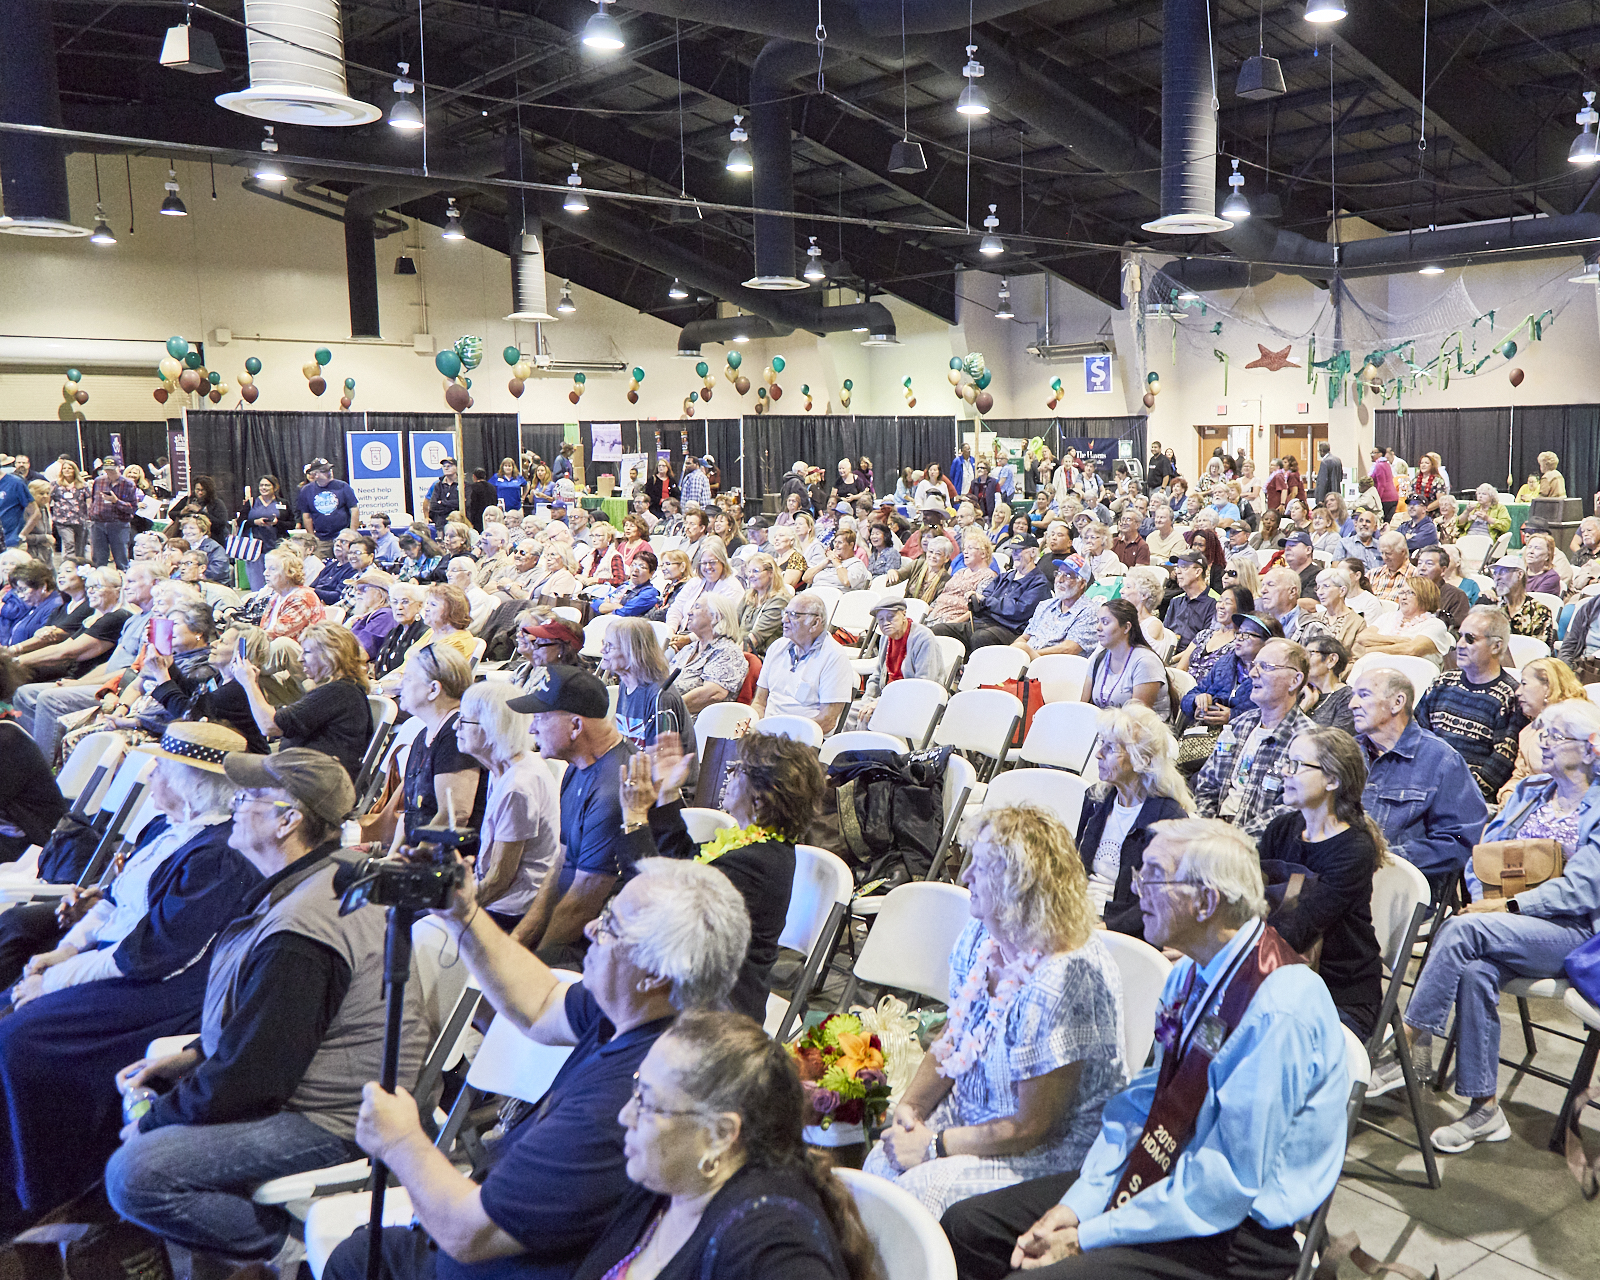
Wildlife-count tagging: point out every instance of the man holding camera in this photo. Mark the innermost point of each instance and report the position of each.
(673, 939)
(292, 1028)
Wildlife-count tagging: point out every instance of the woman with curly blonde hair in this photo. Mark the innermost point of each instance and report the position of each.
(1013, 1088)
(1544, 682)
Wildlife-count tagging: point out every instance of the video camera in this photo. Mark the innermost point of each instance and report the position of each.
(418, 883)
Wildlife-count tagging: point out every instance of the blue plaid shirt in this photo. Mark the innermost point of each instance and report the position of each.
(1054, 622)
(695, 488)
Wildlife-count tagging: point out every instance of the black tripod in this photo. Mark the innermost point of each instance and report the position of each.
(396, 969)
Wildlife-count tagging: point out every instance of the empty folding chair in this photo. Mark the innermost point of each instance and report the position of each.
(1524, 649)
(909, 1239)
(96, 758)
(952, 657)
(909, 709)
(721, 720)
(1060, 793)
(993, 664)
(818, 901)
(1060, 675)
(594, 632)
(385, 711)
(1144, 972)
(981, 722)
(1061, 736)
(796, 727)
(1419, 671)
(909, 947)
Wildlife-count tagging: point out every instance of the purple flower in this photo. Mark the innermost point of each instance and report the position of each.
(824, 1102)
(872, 1076)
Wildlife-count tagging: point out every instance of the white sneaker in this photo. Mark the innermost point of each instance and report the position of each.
(1481, 1124)
(1386, 1078)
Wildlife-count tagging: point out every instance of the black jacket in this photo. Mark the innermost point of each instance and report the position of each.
(1122, 912)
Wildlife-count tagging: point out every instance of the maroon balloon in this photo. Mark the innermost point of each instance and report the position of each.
(742, 384)
(705, 394)
(344, 402)
(455, 395)
(984, 402)
(775, 391)
(160, 393)
(215, 396)
(516, 387)
(1516, 376)
(318, 385)
(81, 396)
(633, 397)
(249, 392)
(189, 380)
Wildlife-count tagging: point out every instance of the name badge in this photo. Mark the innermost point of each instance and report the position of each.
(1210, 1034)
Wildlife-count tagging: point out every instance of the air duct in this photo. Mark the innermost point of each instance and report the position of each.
(529, 299)
(33, 169)
(361, 273)
(1188, 124)
(297, 66)
(779, 62)
(725, 329)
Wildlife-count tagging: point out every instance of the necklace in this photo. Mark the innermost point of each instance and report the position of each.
(964, 1044)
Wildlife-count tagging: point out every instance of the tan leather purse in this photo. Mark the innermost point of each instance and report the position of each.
(1507, 867)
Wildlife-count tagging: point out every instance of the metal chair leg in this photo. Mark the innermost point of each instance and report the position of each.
(1527, 1027)
(1581, 1079)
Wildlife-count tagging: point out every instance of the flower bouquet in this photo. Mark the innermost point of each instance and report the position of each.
(846, 1080)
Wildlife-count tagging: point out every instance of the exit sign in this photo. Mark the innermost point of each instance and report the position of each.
(1304, 406)
(1222, 411)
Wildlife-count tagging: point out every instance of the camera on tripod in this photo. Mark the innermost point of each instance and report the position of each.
(418, 883)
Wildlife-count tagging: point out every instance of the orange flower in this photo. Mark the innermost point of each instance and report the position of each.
(856, 1054)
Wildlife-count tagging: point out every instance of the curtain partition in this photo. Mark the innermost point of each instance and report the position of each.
(142, 442)
(774, 444)
(1474, 443)
(43, 442)
(1567, 430)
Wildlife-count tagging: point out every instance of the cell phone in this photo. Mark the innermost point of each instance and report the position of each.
(239, 648)
(161, 636)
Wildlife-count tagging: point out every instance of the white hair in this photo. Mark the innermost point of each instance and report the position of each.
(690, 926)
(505, 730)
(1217, 856)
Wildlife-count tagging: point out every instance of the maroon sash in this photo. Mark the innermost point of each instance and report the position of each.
(1183, 1083)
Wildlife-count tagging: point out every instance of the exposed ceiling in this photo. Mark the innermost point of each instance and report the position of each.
(1504, 80)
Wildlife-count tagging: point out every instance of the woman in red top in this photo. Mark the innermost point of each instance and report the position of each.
(1284, 484)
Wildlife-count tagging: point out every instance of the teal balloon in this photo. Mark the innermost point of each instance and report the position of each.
(1508, 350)
(468, 381)
(448, 363)
(73, 375)
(349, 384)
(324, 357)
(638, 374)
(955, 362)
(1152, 376)
(215, 377)
(252, 366)
(848, 385)
(777, 364)
(694, 396)
(192, 359)
(702, 368)
(177, 347)
(735, 359)
(511, 355)
(984, 379)
(580, 378)
(761, 393)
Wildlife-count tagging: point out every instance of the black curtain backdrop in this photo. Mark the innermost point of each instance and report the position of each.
(543, 438)
(43, 442)
(774, 444)
(237, 448)
(1474, 443)
(142, 442)
(1569, 431)
(1124, 428)
(485, 437)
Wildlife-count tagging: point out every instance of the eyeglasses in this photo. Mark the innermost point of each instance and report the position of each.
(650, 1109)
(1141, 882)
(794, 614)
(1550, 735)
(1259, 666)
(461, 720)
(605, 925)
(1291, 766)
(1468, 638)
(242, 798)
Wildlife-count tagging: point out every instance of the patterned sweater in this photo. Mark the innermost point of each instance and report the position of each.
(1481, 721)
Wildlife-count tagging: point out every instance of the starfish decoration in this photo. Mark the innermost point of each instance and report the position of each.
(1272, 360)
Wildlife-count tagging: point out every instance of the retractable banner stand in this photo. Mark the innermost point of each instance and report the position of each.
(428, 450)
(178, 457)
(377, 473)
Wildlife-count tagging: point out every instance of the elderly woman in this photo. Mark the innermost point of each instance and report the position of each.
(1225, 690)
(773, 797)
(646, 707)
(448, 615)
(674, 576)
(333, 716)
(1144, 586)
(1139, 785)
(761, 609)
(1336, 618)
(1013, 1088)
(179, 679)
(1326, 697)
(1539, 563)
(1544, 682)
(713, 1138)
(712, 667)
(1413, 628)
(841, 568)
(131, 967)
(882, 557)
(953, 603)
(1551, 483)
(91, 625)
(715, 576)
(1326, 540)
(638, 595)
(291, 605)
(521, 830)
(635, 538)
(1328, 833)
(410, 631)
(1215, 641)
(557, 573)
(1536, 929)
(1486, 514)
(371, 618)
(928, 575)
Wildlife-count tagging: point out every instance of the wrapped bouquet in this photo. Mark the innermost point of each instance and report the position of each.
(844, 1073)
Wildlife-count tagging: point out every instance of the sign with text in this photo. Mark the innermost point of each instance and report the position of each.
(1097, 375)
(377, 473)
(178, 458)
(1101, 451)
(428, 450)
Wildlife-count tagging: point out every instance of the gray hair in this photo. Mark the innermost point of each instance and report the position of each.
(1573, 717)
(726, 616)
(1338, 576)
(1391, 539)
(200, 790)
(1146, 580)
(691, 928)
(1496, 624)
(105, 576)
(1151, 749)
(1219, 857)
(465, 563)
(945, 545)
(506, 730)
(1389, 683)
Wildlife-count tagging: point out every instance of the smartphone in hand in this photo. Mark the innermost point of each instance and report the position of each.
(161, 636)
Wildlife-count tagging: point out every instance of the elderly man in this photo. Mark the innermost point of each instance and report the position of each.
(492, 553)
(1363, 544)
(330, 583)
(1005, 604)
(1242, 780)
(1297, 555)
(1281, 593)
(1475, 708)
(908, 652)
(1165, 542)
(795, 482)
(1419, 790)
(806, 673)
(1207, 1160)
(1433, 563)
(1529, 617)
(326, 505)
(572, 721)
(113, 501)
(1395, 567)
(1195, 608)
(293, 1027)
(672, 940)
(515, 580)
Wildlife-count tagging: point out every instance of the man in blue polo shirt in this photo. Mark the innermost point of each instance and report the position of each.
(14, 500)
(327, 506)
(560, 1171)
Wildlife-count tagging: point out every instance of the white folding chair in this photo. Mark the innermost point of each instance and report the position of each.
(858, 740)
(1144, 973)
(916, 610)
(121, 803)
(981, 722)
(702, 824)
(95, 753)
(818, 900)
(909, 947)
(909, 1239)
(594, 632)
(1525, 649)
(993, 664)
(567, 611)
(854, 610)
(721, 720)
(1061, 736)
(1549, 600)
(1060, 793)
(398, 748)
(796, 727)
(1473, 547)
(952, 656)
(1419, 671)
(385, 711)
(909, 709)
(1359, 1067)
(1061, 675)
(1179, 682)
(1593, 690)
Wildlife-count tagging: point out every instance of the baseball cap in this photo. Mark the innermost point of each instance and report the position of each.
(1255, 626)
(319, 464)
(569, 689)
(932, 502)
(316, 780)
(1024, 542)
(709, 460)
(844, 508)
(1075, 565)
(1510, 562)
(1188, 557)
(758, 522)
(558, 629)
(1300, 538)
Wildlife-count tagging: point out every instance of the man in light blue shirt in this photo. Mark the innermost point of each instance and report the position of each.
(1267, 1142)
(1362, 545)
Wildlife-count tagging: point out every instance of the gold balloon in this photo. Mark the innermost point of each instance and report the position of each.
(523, 370)
(170, 368)
(954, 376)
(767, 375)
(224, 388)
(68, 390)
(246, 378)
(311, 370)
(969, 393)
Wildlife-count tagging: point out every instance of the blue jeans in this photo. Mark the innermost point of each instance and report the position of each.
(1474, 955)
(110, 536)
(191, 1184)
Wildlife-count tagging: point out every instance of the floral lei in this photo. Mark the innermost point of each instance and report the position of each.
(734, 838)
(963, 1045)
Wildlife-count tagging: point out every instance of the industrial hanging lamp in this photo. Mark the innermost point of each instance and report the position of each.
(1005, 312)
(814, 270)
(267, 168)
(1260, 77)
(173, 205)
(972, 101)
(566, 306)
(403, 115)
(906, 156)
(452, 221)
(739, 157)
(1585, 148)
(677, 292)
(991, 246)
(603, 32)
(575, 202)
(1236, 208)
(1325, 11)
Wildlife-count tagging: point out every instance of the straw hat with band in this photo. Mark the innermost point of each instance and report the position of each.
(196, 743)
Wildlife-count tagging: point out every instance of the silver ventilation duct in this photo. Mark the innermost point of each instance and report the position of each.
(297, 66)
(529, 298)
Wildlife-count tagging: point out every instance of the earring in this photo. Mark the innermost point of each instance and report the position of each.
(709, 1164)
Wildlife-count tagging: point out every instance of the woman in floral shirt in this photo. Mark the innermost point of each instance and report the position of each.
(69, 510)
(951, 606)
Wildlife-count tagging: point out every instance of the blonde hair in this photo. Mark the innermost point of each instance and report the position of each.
(641, 651)
(1143, 579)
(458, 612)
(1151, 750)
(1044, 898)
(713, 546)
(1559, 680)
(751, 565)
(293, 567)
(1248, 568)
(678, 557)
(344, 652)
(1425, 590)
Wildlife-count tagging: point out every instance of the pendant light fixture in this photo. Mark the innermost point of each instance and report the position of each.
(575, 203)
(1589, 275)
(677, 292)
(1236, 208)
(1585, 148)
(739, 157)
(1004, 312)
(1325, 11)
(1430, 269)
(906, 156)
(173, 205)
(972, 101)
(452, 221)
(267, 168)
(403, 115)
(1260, 77)
(602, 32)
(101, 234)
(566, 306)
(991, 246)
(814, 271)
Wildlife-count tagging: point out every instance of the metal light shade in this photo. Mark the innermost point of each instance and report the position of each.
(739, 159)
(405, 116)
(102, 231)
(603, 32)
(1325, 10)
(173, 207)
(1260, 77)
(677, 291)
(405, 266)
(972, 102)
(1236, 207)
(268, 171)
(814, 271)
(452, 227)
(575, 203)
(1431, 269)
(1589, 275)
(906, 157)
(1585, 148)
(991, 245)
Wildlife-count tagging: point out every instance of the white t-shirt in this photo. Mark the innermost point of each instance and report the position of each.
(802, 686)
(1427, 626)
(521, 805)
(1108, 853)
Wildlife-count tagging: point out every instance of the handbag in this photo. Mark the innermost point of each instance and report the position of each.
(243, 546)
(1507, 867)
(1028, 692)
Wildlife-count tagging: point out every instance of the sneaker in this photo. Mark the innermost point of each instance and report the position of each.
(1388, 1077)
(1481, 1124)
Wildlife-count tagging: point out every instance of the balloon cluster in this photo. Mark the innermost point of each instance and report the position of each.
(635, 377)
(453, 362)
(911, 396)
(970, 378)
(181, 369)
(1056, 393)
(521, 371)
(703, 392)
(348, 398)
(580, 384)
(805, 390)
(1152, 388)
(72, 394)
(1509, 350)
(766, 396)
(248, 391)
(321, 358)
(844, 394)
(741, 384)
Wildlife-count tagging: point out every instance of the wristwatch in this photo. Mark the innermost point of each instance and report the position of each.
(932, 1153)
(1513, 907)
(628, 828)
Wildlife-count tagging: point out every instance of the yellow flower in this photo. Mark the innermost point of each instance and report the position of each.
(732, 838)
(857, 1054)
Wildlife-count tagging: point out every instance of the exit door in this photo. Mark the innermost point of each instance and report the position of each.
(1298, 440)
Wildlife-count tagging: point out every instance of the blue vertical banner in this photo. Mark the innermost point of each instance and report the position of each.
(428, 450)
(377, 473)
(1097, 375)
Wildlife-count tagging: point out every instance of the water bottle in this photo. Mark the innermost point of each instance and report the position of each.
(136, 1103)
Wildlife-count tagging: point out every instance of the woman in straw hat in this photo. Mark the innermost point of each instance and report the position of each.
(131, 967)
